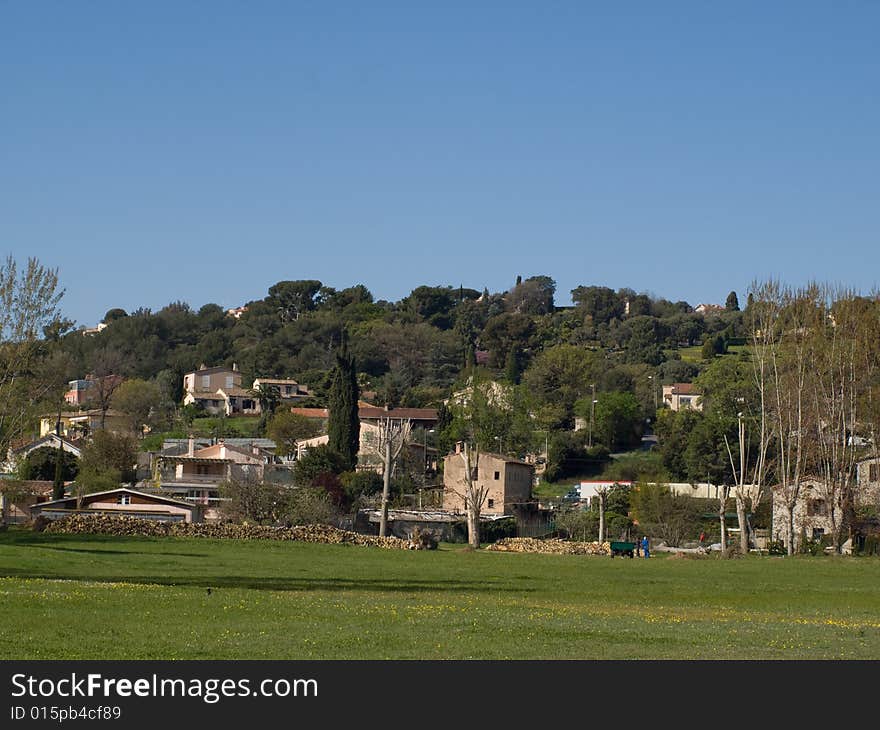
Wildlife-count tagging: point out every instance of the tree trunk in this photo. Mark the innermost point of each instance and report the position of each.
(722, 505)
(386, 489)
(743, 522)
(601, 518)
(790, 524)
(473, 522)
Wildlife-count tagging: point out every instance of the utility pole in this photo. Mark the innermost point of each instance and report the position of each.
(592, 410)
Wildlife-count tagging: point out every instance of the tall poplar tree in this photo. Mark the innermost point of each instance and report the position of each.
(343, 425)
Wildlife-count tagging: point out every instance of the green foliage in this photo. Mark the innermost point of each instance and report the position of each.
(113, 314)
(287, 429)
(309, 506)
(41, 464)
(619, 421)
(344, 425)
(569, 456)
(494, 530)
(359, 485)
(142, 402)
(600, 303)
(316, 461)
(635, 466)
(251, 500)
(661, 513)
(108, 460)
(576, 523)
(777, 547)
(559, 377)
(534, 296)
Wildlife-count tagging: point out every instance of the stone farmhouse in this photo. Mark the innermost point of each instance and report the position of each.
(508, 482)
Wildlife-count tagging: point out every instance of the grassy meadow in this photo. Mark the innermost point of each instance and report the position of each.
(98, 597)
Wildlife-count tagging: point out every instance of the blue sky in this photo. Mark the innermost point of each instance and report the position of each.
(205, 150)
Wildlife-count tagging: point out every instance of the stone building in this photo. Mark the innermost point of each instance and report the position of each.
(508, 482)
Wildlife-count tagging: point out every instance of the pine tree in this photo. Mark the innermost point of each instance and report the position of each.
(732, 303)
(343, 425)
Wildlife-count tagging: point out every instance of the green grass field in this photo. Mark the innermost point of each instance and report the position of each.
(76, 597)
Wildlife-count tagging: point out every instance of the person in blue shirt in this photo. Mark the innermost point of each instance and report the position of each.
(645, 547)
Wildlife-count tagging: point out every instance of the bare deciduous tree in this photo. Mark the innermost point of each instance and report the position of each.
(393, 434)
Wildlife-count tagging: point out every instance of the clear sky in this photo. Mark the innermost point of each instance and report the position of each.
(202, 151)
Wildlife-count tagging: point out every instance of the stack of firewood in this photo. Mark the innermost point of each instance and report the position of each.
(123, 525)
(557, 547)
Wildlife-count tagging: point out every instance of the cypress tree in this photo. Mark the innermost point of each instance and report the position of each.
(343, 425)
(511, 367)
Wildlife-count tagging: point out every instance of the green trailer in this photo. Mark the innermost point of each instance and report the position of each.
(626, 549)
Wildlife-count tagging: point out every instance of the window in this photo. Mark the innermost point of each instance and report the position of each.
(125, 499)
(229, 381)
(206, 382)
(475, 473)
(497, 475)
(817, 508)
(492, 501)
(288, 389)
(818, 532)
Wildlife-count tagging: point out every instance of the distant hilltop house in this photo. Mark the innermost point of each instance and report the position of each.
(679, 396)
(218, 390)
(236, 312)
(94, 330)
(86, 390)
(710, 308)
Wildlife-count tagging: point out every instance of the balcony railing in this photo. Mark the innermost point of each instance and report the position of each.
(192, 478)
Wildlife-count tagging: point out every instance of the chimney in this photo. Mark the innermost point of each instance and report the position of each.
(190, 446)
(222, 448)
(235, 367)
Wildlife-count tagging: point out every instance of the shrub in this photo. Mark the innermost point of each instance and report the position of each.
(495, 530)
(777, 547)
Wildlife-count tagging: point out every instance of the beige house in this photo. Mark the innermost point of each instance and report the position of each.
(218, 390)
(679, 396)
(812, 513)
(75, 424)
(868, 481)
(17, 496)
(196, 476)
(288, 390)
(368, 453)
(508, 483)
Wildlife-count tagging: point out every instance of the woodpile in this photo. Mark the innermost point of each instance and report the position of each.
(554, 546)
(132, 526)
